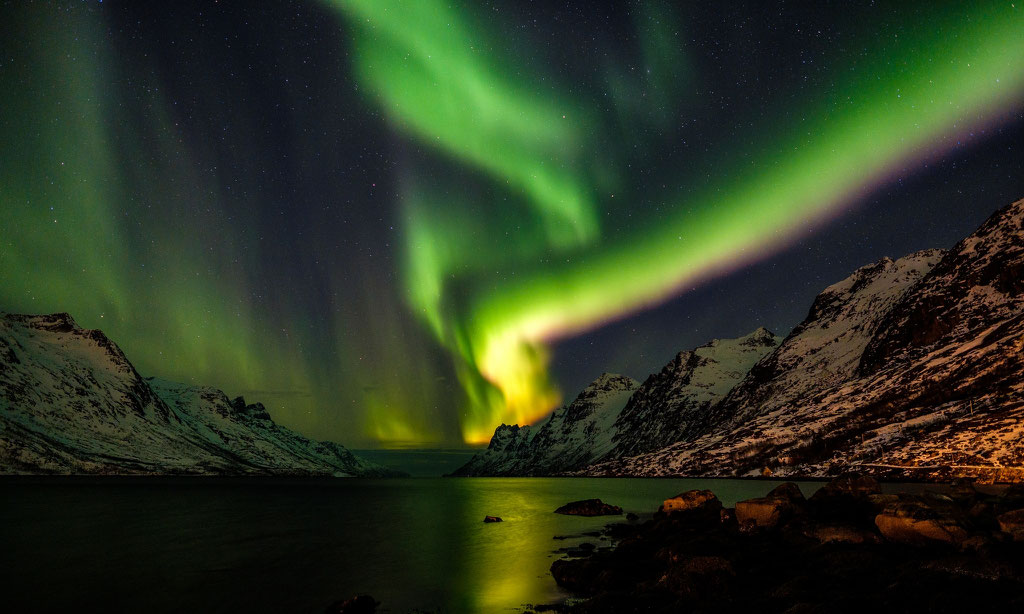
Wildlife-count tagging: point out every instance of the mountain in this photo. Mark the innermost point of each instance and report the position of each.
(825, 349)
(671, 402)
(573, 436)
(72, 403)
(615, 416)
(910, 369)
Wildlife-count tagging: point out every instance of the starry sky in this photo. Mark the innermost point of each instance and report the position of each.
(400, 224)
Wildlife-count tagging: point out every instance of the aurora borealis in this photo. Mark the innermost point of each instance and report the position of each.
(383, 218)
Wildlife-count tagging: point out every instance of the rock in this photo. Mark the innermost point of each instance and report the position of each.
(977, 543)
(360, 604)
(1012, 523)
(631, 517)
(492, 519)
(788, 491)
(916, 521)
(777, 507)
(851, 485)
(589, 507)
(692, 501)
(963, 490)
(727, 516)
(1011, 499)
(765, 512)
(880, 502)
(850, 499)
(841, 534)
(699, 577)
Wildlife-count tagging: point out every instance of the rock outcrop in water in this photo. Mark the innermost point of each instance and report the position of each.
(72, 403)
(589, 507)
(843, 550)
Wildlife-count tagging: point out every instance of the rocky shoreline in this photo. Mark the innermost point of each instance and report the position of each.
(847, 548)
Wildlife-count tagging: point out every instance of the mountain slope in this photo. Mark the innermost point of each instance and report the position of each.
(936, 391)
(71, 402)
(615, 415)
(572, 437)
(670, 403)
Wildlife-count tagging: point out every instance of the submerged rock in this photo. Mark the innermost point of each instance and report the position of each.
(589, 507)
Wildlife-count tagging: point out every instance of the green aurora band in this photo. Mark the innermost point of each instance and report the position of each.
(428, 70)
(517, 219)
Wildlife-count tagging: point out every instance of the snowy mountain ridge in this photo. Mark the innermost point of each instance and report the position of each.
(909, 369)
(616, 415)
(571, 438)
(72, 403)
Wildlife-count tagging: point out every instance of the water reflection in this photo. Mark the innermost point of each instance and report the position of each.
(221, 545)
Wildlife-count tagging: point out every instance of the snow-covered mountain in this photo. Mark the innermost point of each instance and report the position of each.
(670, 403)
(71, 403)
(615, 416)
(825, 349)
(573, 436)
(911, 368)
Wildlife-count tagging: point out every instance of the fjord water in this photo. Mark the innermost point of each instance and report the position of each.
(276, 545)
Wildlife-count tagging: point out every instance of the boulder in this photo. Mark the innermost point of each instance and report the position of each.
(788, 491)
(775, 508)
(589, 507)
(847, 499)
(880, 502)
(764, 512)
(851, 485)
(918, 521)
(841, 534)
(360, 604)
(692, 501)
(963, 491)
(1012, 523)
(492, 519)
(699, 577)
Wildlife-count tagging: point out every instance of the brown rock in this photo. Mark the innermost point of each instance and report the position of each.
(788, 491)
(880, 502)
(692, 500)
(765, 512)
(849, 485)
(841, 534)
(916, 521)
(977, 543)
(778, 506)
(963, 489)
(1012, 523)
(699, 577)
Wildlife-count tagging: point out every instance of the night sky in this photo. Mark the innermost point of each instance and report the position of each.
(400, 224)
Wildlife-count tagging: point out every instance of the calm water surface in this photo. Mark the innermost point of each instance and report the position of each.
(259, 545)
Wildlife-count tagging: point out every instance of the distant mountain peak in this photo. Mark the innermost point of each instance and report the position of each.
(73, 403)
